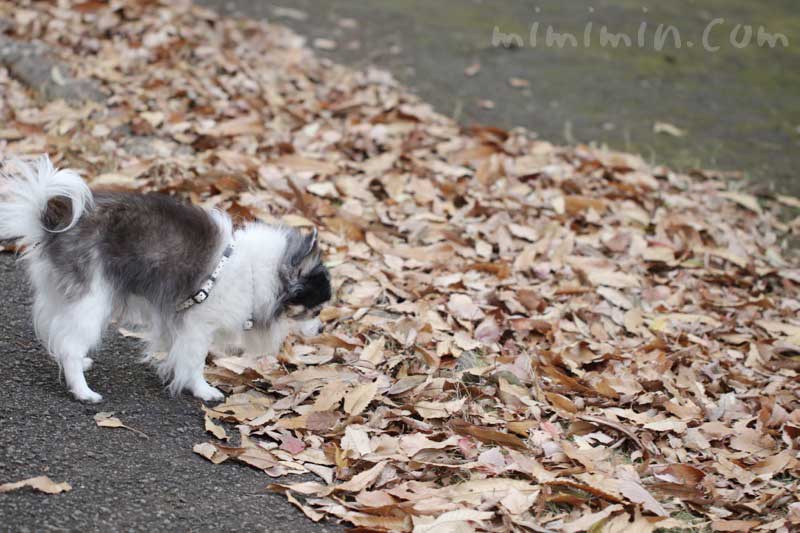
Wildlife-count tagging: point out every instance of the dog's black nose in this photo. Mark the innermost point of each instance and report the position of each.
(320, 329)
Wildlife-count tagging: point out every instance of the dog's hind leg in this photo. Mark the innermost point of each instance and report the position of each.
(75, 328)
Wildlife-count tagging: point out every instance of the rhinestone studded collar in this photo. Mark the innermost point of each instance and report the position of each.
(201, 295)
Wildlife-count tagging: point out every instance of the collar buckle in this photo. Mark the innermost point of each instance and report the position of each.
(200, 296)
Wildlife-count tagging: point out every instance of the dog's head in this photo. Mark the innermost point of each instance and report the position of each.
(306, 282)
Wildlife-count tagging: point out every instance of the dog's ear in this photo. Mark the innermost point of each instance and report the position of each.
(312, 242)
(311, 253)
(302, 253)
(302, 257)
(305, 248)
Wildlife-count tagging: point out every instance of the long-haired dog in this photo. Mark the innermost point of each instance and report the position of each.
(182, 270)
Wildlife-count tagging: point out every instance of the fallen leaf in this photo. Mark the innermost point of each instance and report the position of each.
(108, 420)
(448, 522)
(734, 525)
(486, 435)
(590, 521)
(40, 483)
(638, 494)
(292, 445)
(439, 409)
(669, 129)
(373, 352)
(215, 429)
(472, 70)
(330, 396)
(210, 452)
(462, 306)
(618, 280)
(325, 44)
(745, 200)
(357, 399)
(576, 204)
(362, 480)
(299, 163)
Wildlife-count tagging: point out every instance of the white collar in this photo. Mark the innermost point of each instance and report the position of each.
(201, 295)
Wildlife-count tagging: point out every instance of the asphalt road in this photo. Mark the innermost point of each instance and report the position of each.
(120, 481)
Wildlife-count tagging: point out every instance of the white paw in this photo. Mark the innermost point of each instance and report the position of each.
(88, 396)
(87, 363)
(207, 393)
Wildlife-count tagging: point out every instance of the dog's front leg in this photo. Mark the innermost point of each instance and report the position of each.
(187, 357)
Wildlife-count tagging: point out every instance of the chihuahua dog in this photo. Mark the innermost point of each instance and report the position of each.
(181, 270)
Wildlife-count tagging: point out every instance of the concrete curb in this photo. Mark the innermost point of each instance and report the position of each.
(34, 65)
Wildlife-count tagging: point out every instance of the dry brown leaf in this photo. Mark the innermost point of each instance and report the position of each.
(357, 399)
(669, 129)
(215, 429)
(680, 473)
(618, 280)
(575, 204)
(253, 456)
(248, 124)
(522, 427)
(734, 525)
(472, 70)
(308, 511)
(745, 200)
(638, 494)
(299, 163)
(589, 521)
(108, 420)
(330, 396)
(210, 452)
(40, 483)
(373, 352)
(462, 306)
(362, 480)
(487, 435)
(452, 521)
(430, 410)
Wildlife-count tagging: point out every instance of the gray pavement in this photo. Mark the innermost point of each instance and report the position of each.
(120, 481)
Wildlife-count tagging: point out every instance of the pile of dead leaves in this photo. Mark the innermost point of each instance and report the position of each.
(524, 336)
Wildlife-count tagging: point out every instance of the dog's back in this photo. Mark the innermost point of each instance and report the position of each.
(149, 246)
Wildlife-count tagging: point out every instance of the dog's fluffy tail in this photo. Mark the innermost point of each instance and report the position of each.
(33, 193)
